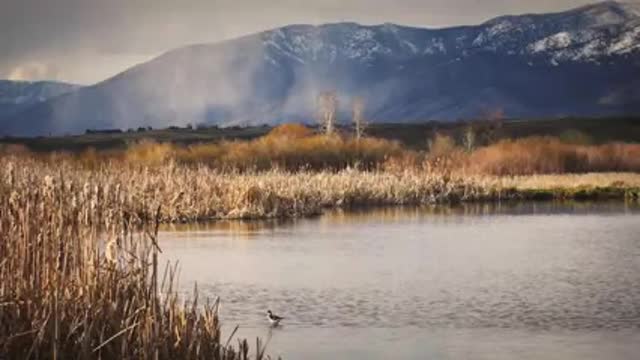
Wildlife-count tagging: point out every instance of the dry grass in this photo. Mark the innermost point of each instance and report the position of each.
(193, 193)
(573, 181)
(79, 274)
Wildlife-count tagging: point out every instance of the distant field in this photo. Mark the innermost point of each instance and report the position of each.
(108, 141)
(595, 131)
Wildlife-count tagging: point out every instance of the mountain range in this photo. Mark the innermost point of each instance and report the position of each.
(16, 96)
(581, 62)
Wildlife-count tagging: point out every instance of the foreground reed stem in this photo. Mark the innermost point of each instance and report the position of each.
(79, 276)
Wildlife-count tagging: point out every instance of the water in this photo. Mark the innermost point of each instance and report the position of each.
(526, 281)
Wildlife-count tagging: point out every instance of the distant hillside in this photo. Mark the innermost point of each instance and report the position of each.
(582, 62)
(16, 96)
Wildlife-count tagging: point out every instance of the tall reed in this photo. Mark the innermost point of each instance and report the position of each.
(194, 193)
(79, 275)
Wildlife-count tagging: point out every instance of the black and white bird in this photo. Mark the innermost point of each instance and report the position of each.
(273, 318)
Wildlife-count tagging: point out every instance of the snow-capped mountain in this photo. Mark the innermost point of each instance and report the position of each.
(582, 62)
(588, 33)
(19, 95)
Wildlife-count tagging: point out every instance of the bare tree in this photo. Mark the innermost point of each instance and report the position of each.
(469, 139)
(327, 110)
(359, 121)
(495, 120)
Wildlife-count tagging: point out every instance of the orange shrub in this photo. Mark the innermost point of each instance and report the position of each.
(613, 157)
(547, 155)
(290, 131)
(147, 152)
(441, 145)
(303, 151)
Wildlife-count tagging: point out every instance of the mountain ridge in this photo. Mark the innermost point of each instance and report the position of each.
(577, 62)
(16, 95)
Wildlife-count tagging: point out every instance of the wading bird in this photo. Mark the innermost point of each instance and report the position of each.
(274, 320)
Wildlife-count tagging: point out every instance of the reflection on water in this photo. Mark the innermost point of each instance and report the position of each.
(246, 228)
(251, 228)
(521, 280)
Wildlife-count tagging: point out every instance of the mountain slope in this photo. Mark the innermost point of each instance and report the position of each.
(16, 96)
(583, 62)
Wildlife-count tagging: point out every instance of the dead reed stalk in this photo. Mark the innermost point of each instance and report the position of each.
(79, 276)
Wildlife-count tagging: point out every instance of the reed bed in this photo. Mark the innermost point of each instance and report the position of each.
(194, 193)
(79, 275)
(200, 193)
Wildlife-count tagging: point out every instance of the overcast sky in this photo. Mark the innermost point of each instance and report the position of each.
(85, 41)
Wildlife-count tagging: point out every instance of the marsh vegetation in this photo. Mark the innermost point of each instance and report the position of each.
(79, 274)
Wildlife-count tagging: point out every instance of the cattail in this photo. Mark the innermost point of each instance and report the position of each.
(111, 252)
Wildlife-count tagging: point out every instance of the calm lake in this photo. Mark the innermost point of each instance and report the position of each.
(518, 281)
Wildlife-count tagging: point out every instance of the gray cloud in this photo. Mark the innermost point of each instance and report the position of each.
(86, 41)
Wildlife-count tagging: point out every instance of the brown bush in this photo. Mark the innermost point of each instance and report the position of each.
(613, 157)
(281, 150)
(547, 155)
(290, 131)
(441, 146)
(294, 147)
(149, 152)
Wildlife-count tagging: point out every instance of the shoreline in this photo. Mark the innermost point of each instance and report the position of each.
(543, 196)
(507, 195)
(512, 196)
(472, 209)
